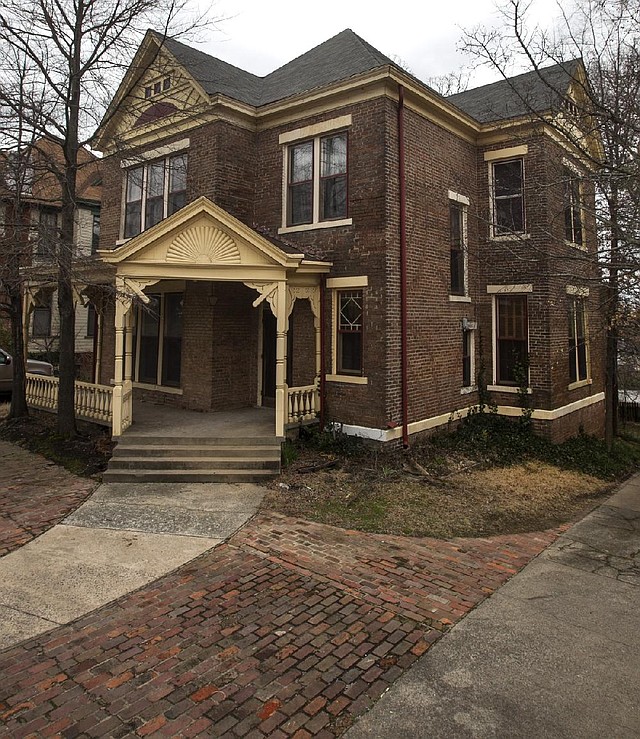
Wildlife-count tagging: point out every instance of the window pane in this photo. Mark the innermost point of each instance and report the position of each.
(301, 163)
(350, 353)
(507, 178)
(149, 341)
(512, 338)
(134, 184)
(41, 322)
(132, 219)
(153, 211)
(91, 320)
(300, 203)
(155, 179)
(466, 359)
(95, 233)
(334, 198)
(509, 215)
(172, 339)
(333, 155)
(178, 173)
(457, 286)
(350, 332)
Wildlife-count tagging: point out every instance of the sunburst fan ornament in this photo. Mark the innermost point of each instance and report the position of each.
(203, 245)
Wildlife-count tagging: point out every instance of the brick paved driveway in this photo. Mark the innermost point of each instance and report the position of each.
(288, 629)
(35, 494)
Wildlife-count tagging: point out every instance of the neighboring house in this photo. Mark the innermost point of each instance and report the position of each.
(37, 243)
(337, 237)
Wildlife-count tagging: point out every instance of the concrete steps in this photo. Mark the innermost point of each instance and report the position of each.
(194, 459)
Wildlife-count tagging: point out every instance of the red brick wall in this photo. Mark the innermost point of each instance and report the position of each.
(304, 345)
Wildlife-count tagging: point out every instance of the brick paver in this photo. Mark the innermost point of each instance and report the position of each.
(35, 494)
(290, 629)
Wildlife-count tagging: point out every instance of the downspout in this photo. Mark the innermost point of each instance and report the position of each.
(404, 360)
(322, 352)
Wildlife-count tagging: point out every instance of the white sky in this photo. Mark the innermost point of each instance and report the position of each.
(261, 35)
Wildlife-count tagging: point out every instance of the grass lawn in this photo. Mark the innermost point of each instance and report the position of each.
(489, 477)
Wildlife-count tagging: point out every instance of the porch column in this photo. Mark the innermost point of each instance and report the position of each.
(280, 305)
(121, 389)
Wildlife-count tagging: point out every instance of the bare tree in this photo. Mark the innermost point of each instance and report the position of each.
(71, 53)
(605, 107)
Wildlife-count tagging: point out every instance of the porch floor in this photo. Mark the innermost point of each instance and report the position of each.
(150, 419)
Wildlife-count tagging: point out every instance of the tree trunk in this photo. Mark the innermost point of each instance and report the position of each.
(19, 408)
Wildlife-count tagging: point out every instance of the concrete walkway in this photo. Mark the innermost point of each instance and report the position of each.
(554, 653)
(123, 537)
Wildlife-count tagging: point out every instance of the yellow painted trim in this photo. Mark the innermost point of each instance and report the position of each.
(579, 383)
(506, 389)
(336, 283)
(161, 151)
(526, 287)
(348, 379)
(509, 153)
(458, 198)
(308, 132)
(580, 292)
(315, 226)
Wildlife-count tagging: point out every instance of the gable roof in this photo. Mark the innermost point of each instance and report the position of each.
(339, 58)
(537, 91)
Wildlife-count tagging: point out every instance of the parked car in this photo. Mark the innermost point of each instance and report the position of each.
(34, 366)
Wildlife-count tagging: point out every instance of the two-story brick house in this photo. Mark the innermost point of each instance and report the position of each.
(338, 238)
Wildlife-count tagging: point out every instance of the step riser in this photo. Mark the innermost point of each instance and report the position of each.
(196, 452)
(186, 476)
(132, 440)
(194, 464)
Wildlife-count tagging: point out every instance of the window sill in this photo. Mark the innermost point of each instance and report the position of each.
(348, 379)
(159, 388)
(510, 237)
(469, 389)
(459, 299)
(514, 389)
(120, 242)
(574, 245)
(579, 383)
(314, 226)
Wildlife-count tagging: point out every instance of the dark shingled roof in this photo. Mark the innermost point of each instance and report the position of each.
(535, 91)
(339, 58)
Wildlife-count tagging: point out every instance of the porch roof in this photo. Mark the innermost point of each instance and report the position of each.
(202, 241)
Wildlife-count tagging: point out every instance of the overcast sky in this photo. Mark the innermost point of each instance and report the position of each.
(259, 36)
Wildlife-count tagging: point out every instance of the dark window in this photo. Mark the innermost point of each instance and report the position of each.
(578, 349)
(154, 191)
(133, 207)
(177, 183)
(333, 177)
(47, 233)
(148, 92)
(458, 248)
(148, 338)
(572, 208)
(349, 354)
(301, 183)
(41, 322)
(467, 349)
(91, 320)
(157, 86)
(166, 83)
(508, 197)
(513, 339)
(172, 339)
(95, 232)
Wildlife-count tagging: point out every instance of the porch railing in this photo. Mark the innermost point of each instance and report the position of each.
(92, 402)
(303, 404)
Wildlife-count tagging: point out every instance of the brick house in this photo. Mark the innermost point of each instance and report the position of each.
(29, 225)
(338, 239)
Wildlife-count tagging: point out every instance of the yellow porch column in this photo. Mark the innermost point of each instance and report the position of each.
(122, 382)
(280, 306)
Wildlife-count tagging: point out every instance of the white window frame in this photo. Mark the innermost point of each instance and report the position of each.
(517, 290)
(581, 294)
(469, 329)
(156, 290)
(313, 133)
(337, 285)
(570, 167)
(501, 156)
(464, 202)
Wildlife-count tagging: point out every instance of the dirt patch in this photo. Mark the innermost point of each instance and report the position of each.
(442, 495)
(87, 454)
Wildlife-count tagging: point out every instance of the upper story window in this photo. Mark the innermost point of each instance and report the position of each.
(572, 208)
(317, 180)
(508, 197)
(47, 233)
(157, 87)
(95, 231)
(154, 191)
